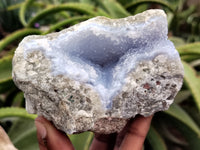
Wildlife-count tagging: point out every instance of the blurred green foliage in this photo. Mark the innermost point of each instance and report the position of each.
(19, 18)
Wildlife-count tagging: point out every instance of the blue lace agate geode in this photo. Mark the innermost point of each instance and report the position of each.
(99, 73)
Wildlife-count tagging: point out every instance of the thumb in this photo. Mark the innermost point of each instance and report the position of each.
(49, 138)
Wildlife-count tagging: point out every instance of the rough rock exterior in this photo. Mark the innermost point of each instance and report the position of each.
(98, 74)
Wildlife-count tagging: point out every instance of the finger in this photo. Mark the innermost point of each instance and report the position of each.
(121, 135)
(103, 142)
(136, 133)
(50, 138)
(5, 143)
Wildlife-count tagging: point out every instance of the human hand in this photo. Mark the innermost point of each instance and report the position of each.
(130, 138)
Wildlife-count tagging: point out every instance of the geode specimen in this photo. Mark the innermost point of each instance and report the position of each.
(98, 74)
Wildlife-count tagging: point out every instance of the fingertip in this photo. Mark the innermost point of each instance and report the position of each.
(136, 133)
(103, 141)
(41, 134)
(51, 138)
(41, 130)
(42, 120)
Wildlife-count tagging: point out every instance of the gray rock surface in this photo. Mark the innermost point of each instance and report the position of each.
(98, 74)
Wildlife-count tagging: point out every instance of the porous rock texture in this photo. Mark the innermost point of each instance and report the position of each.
(98, 74)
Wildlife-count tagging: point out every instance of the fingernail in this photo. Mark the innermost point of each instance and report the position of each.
(41, 130)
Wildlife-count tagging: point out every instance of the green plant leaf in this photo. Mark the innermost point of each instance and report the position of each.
(170, 17)
(86, 1)
(15, 112)
(22, 11)
(195, 63)
(155, 140)
(5, 67)
(189, 49)
(19, 5)
(114, 8)
(78, 7)
(187, 12)
(194, 113)
(169, 134)
(6, 85)
(194, 140)
(189, 58)
(14, 6)
(18, 99)
(193, 82)
(160, 2)
(179, 114)
(177, 41)
(23, 134)
(67, 21)
(10, 94)
(81, 141)
(181, 130)
(140, 8)
(17, 35)
(6, 82)
(182, 96)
